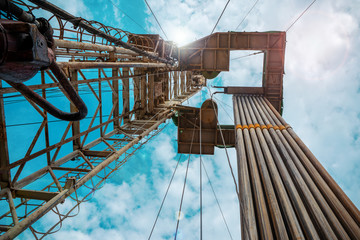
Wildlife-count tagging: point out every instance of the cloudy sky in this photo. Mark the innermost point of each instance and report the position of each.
(321, 102)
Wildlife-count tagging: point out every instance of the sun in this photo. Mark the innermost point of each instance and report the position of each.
(181, 36)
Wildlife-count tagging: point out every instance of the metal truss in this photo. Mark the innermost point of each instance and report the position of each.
(129, 98)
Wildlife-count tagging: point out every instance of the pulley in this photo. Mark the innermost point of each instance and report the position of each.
(210, 74)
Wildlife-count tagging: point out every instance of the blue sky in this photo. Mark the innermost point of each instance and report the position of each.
(321, 96)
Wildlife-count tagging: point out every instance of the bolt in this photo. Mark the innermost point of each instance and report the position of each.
(39, 43)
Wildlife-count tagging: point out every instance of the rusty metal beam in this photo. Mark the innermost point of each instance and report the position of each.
(5, 178)
(93, 47)
(47, 138)
(97, 65)
(166, 86)
(182, 82)
(176, 84)
(76, 124)
(115, 97)
(144, 93)
(137, 86)
(92, 153)
(243, 90)
(151, 92)
(125, 93)
(31, 194)
(71, 169)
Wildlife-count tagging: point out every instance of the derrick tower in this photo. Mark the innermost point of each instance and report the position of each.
(120, 88)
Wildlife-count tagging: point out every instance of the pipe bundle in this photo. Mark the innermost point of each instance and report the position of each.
(285, 193)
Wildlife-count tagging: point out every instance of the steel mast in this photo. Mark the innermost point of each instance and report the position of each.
(130, 84)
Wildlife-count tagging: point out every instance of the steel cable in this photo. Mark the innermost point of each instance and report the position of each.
(217, 201)
(167, 190)
(184, 186)
(220, 17)
(156, 19)
(128, 16)
(247, 15)
(223, 140)
(300, 16)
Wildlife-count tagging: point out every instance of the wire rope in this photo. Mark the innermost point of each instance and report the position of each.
(223, 140)
(220, 17)
(217, 99)
(217, 201)
(297, 19)
(232, 173)
(248, 55)
(156, 19)
(184, 186)
(247, 15)
(127, 15)
(162, 203)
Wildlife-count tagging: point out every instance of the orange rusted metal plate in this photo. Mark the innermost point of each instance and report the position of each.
(189, 130)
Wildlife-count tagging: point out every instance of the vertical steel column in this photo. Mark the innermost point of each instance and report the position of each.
(115, 85)
(75, 125)
(151, 91)
(176, 86)
(136, 81)
(143, 95)
(158, 88)
(166, 85)
(47, 139)
(4, 154)
(182, 82)
(188, 81)
(101, 107)
(125, 93)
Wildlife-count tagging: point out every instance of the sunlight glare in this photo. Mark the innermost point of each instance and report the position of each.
(181, 36)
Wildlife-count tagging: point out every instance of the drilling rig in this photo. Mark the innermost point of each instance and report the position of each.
(120, 89)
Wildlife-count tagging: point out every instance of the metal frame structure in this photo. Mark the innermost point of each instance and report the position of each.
(130, 95)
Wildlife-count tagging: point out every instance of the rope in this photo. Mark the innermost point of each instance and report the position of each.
(251, 54)
(223, 140)
(247, 14)
(300, 16)
(217, 99)
(217, 201)
(167, 190)
(183, 190)
(220, 17)
(128, 16)
(156, 19)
